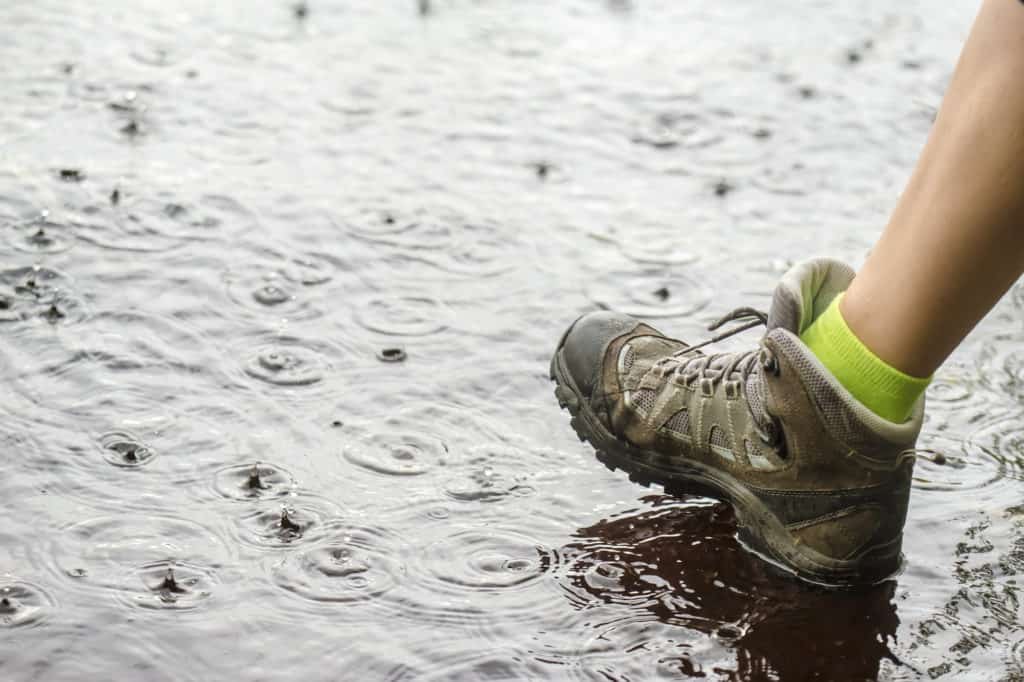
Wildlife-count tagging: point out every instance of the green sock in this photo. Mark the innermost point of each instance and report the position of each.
(881, 388)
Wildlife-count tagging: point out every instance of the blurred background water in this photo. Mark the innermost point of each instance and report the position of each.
(278, 289)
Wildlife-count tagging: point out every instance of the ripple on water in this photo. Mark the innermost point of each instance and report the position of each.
(278, 288)
(258, 481)
(449, 243)
(125, 450)
(289, 366)
(40, 234)
(174, 585)
(947, 463)
(671, 130)
(496, 472)
(1001, 363)
(286, 365)
(479, 575)
(485, 560)
(351, 565)
(301, 519)
(402, 444)
(649, 292)
(39, 293)
(1003, 441)
(157, 562)
(404, 315)
(656, 245)
(157, 220)
(23, 604)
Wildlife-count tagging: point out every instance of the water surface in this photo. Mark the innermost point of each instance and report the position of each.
(278, 290)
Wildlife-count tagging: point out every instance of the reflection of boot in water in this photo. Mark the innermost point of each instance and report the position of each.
(680, 566)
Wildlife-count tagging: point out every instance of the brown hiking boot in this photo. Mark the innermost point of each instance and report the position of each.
(819, 483)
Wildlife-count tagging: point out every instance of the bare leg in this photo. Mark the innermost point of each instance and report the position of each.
(955, 243)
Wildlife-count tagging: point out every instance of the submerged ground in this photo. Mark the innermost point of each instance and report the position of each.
(215, 216)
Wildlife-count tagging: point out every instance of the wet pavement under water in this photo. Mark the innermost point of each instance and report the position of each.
(278, 292)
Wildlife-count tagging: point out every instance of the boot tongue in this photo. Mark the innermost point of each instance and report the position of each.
(805, 291)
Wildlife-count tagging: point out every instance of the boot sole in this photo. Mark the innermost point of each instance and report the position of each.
(760, 531)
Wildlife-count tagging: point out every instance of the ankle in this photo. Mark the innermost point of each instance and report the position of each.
(882, 388)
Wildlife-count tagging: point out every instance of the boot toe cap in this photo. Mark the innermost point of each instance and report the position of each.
(585, 344)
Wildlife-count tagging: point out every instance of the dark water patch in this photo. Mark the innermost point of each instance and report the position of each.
(23, 604)
(670, 589)
(255, 481)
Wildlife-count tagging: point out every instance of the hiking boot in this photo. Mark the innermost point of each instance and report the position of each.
(819, 483)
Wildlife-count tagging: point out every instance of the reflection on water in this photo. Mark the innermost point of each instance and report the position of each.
(277, 293)
(696, 603)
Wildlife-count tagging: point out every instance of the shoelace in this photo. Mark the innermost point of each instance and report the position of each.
(692, 365)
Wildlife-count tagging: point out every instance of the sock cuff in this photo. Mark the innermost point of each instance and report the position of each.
(885, 390)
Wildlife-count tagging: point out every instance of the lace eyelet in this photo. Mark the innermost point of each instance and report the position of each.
(732, 390)
(707, 388)
(769, 362)
(771, 435)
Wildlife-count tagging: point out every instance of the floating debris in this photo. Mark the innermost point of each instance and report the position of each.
(762, 133)
(662, 294)
(392, 355)
(723, 187)
(807, 92)
(71, 175)
(115, 196)
(300, 10)
(337, 423)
